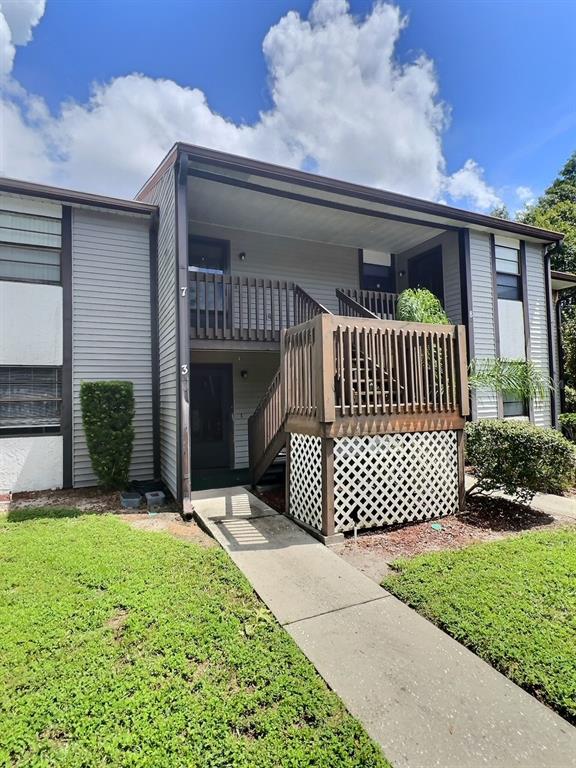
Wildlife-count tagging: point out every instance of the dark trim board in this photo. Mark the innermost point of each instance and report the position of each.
(526, 316)
(155, 344)
(549, 318)
(70, 196)
(182, 332)
(67, 390)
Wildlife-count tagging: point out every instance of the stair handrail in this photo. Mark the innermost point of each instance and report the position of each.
(381, 303)
(349, 307)
(306, 307)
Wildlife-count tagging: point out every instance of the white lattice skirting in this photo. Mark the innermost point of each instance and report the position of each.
(397, 478)
(306, 479)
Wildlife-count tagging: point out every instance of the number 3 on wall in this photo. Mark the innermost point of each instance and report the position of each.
(184, 369)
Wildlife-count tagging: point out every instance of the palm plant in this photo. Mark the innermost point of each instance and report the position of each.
(518, 378)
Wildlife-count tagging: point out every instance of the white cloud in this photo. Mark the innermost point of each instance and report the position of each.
(17, 19)
(525, 194)
(468, 184)
(342, 104)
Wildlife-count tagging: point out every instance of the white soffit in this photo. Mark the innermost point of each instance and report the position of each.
(225, 205)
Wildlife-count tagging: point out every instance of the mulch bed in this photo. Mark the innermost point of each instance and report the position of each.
(485, 519)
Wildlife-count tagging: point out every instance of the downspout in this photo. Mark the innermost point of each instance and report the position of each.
(549, 313)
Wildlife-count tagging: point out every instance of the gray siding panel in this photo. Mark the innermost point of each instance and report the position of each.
(163, 195)
(317, 267)
(111, 325)
(484, 402)
(538, 319)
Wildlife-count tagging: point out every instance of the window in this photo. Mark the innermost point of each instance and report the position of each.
(30, 400)
(30, 247)
(508, 283)
(513, 406)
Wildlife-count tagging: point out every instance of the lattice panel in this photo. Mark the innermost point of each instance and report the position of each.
(397, 478)
(306, 479)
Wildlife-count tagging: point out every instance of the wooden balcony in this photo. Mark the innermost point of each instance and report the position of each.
(245, 309)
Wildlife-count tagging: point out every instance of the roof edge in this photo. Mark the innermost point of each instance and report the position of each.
(61, 194)
(327, 184)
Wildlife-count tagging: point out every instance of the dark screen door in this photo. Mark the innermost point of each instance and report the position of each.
(425, 271)
(211, 415)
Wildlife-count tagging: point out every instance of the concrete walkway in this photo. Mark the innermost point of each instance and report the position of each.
(421, 695)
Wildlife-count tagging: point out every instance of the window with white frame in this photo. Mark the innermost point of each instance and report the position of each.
(30, 399)
(30, 247)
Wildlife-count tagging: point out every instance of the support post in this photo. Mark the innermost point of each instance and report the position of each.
(327, 486)
(324, 343)
(463, 371)
(287, 477)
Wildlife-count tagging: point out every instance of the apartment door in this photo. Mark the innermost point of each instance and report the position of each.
(425, 271)
(211, 407)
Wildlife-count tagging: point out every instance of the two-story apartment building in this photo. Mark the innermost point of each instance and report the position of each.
(187, 290)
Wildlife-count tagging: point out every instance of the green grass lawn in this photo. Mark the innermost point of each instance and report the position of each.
(513, 602)
(125, 648)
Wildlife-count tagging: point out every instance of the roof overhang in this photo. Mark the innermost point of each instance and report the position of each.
(278, 180)
(562, 281)
(73, 197)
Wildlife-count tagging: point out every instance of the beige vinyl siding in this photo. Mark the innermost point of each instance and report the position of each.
(247, 393)
(163, 195)
(317, 267)
(538, 320)
(484, 402)
(111, 325)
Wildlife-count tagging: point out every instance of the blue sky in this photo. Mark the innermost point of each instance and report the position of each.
(505, 69)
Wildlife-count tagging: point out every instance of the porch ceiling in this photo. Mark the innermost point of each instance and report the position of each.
(223, 204)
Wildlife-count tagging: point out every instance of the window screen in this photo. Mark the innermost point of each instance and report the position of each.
(30, 399)
(508, 284)
(30, 247)
(512, 406)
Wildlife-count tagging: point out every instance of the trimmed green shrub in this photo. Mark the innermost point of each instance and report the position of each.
(107, 413)
(519, 458)
(419, 305)
(568, 424)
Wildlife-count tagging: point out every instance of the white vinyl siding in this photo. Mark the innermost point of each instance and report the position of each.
(247, 393)
(484, 402)
(111, 325)
(538, 320)
(319, 268)
(163, 195)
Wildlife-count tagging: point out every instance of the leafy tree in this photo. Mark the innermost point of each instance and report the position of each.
(500, 212)
(556, 210)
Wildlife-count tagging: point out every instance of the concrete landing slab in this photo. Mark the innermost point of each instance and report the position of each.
(295, 575)
(424, 697)
(229, 503)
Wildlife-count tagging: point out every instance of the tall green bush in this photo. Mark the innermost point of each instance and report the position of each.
(107, 414)
(419, 305)
(519, 458)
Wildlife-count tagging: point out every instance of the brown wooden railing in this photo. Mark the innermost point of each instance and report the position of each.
(349, 307)
(381, 304)
(306, 307)
(353, 375)
(239, 307)
(267, 420)
(390, 368)
(298, 368)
